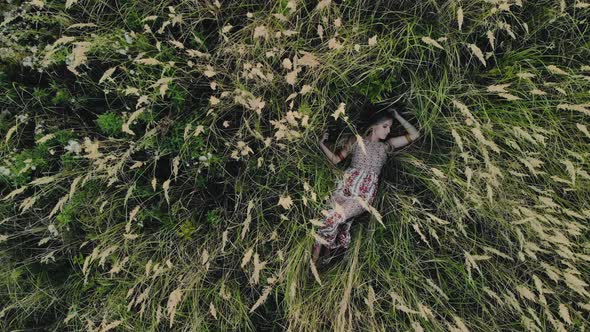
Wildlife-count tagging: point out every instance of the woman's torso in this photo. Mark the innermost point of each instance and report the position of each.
(374, 158)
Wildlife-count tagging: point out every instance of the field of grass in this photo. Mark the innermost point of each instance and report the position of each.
(160, 167)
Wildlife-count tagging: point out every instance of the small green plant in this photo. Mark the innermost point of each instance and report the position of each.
(375, 87)
(213, 216)
(61, 96)
(109, 123)
(186, 230)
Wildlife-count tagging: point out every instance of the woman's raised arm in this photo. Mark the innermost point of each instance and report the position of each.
(410, 136)
(341, 155)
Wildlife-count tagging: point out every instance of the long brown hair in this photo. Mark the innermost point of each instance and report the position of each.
(375, 118)
(369, 115)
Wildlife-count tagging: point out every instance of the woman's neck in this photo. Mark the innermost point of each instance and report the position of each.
(372, 139)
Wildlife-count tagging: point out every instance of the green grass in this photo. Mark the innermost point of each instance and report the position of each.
(485, 214)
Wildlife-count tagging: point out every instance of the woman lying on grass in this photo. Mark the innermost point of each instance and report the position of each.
(360, 179)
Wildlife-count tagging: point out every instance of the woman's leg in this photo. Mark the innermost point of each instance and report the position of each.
(316, 251)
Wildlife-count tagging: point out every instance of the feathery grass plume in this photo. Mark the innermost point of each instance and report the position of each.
(258, 266)
(460, 324)
(583, 129)
(285, 201)
(247, 256)
(265, 292)
(556, 70)
(457, 138)
(526, 293)
(45, 138)
(578, 108)
(10, 132)
(59, 206)
(569, 166)
(465, 111)
(340, 111)
(460, 17)
(125, 127)
(148, 61)
(314, 271)
(260, 31)
(287, 64)
(525, 74)
(291, 77)
(429, 41)
(477, 52)
(538, 92)
(574, 283)
(371, 299)
(564, 313)
(334, 44)
(107, 74)
(308, 59)
(247, 220)
(173, 300)
(416, 227)
(498, 87)
(305, 89)
(509, 96)
(28, 203)
(438, 173)
(491, 39)
(323, 4)
(437, 288)
(165, 187)
(79, 56)
(417, 327)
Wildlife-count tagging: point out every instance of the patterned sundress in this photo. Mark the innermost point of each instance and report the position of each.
(360, 179)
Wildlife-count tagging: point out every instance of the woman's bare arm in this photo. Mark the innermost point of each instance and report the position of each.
(336, 158)
(410, 136)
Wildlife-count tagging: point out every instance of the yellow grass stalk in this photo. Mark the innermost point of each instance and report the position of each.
(45, 138)
(107, 74)
(323, 4)
(371, 299)
(556, 70)
(526, 293)
(258, 266)
(578, 108)
(247, 256)
(262, 298)
(315, 273)
(460, 324)
(248, 219)
(417, 229)
(308, 59)
(498, 87)
(173, 301)
(457, 138)
(212, 310)
(491, 39)
(477, 52)
(564, 313)
(285, 201)
(166, 186)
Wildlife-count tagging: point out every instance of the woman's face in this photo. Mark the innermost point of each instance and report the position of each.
(381, 130)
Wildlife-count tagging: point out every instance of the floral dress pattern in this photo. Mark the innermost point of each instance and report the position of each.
(360, 180)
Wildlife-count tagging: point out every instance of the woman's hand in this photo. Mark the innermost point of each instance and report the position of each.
(324, 137)
(395, 114)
